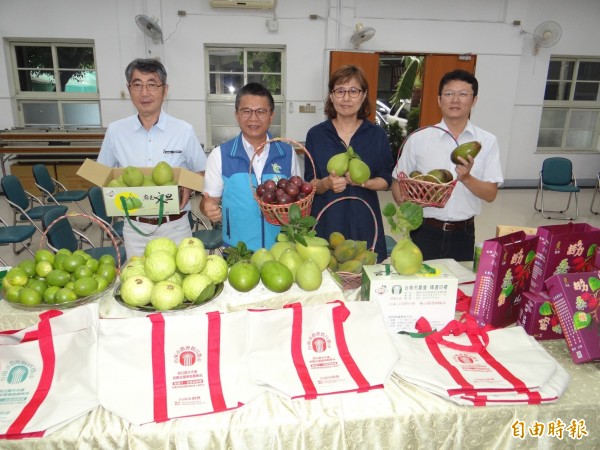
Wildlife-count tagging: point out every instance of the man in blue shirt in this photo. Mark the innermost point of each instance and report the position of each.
(145, 139)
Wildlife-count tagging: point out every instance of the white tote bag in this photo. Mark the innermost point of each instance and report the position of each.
(162, 366)
(314, 350)
(48, 373)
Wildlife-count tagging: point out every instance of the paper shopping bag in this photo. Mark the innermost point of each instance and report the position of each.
(504, 273)
(308, 351)
(564, 248)
(48, 373)
(162, 366)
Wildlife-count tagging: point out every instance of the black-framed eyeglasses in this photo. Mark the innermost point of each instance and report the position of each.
(137, 86)
(261, 113)
(341, 92)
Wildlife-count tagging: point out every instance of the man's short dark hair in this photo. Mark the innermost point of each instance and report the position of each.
(257, 90)
(459, 75)
(146, 66)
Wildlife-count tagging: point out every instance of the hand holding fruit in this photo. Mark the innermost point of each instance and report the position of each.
(336, 183)
(210, 208)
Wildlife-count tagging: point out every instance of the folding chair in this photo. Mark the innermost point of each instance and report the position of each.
(60, 234)
(557, 176)
(99, 211)
(211, 238)
(54, 192)
(596, 191)
(16, 234)
(23, 204)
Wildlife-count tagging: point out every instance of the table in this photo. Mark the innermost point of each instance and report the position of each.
(398, 416)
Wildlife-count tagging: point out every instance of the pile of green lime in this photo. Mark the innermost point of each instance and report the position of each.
(58, 278)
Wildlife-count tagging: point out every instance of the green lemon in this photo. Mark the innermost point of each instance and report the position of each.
(43, 268)
(82, 271)
(58, 260)
(37, 285)
(28, 265)
(50, 293)
(92, 264)
(102, 283)
(12, 294)
(65, 295)
(85, 286)
(57, 277)
(44, 255)
(83, 253)
(16, 277)
(69, 284)
(64, 251)
(107, 259)
(107, 271)
(72, 262)
(29, 296)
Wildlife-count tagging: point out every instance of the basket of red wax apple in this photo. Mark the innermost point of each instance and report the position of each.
(275, 197)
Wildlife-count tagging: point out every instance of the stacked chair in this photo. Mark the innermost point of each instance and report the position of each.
(99, 211)
(16, 234)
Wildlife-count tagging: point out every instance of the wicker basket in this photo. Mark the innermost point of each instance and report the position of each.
(349, 280)
(278, 214)
(421, 192)
(95, 219)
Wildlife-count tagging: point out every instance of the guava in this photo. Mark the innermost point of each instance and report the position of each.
(196, 287)
(309, 276)
(159, 265)
(191, 242)
(406, 257)
(166, 295)
(132, 176)
(162, 173)
(244, 275)
(190, 259)
(136, 290)
(216, 268)
(176, 278)
(132, 269)
(161, 243)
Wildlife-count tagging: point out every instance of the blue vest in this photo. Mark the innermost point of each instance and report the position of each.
(242, 218)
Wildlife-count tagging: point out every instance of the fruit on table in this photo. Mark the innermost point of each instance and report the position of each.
(162, 173)
(318, 253)
(279, 247)
(159, 265)
(339, 164)
(216, 268)
(359, 171)
(166, 295)
(161, 243)
(261, 256)
(276, 276)
(244, 275)
(198, 287)
(309, 276)
(292, 260)
(406, 257)
(136, 290)
(465, 150)
(190, 259)
(345, 251)
(132, 176)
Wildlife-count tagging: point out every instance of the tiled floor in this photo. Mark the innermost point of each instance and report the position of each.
(511, 207)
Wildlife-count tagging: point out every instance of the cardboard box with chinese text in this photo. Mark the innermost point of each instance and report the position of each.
(538, 318)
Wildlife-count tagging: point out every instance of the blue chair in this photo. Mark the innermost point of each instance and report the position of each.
(211, 238)
(60, 234)
(99, 211)
(54, 192)
(390, 243)
(596, 191)
(16, 234)
(557, 176)
(26, 208)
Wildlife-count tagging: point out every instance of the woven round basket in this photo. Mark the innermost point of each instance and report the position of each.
(278, 214)
(349, 280)
(422, 192)
(94, 219)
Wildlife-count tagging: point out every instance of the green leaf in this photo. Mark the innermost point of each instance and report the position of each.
(594, 283)
(508, 290)
(307, 221)
(546, 309)
(294, 213)
(389, 210)
(592, 250)
(530, 256)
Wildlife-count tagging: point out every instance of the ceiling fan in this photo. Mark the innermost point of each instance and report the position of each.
(149, 25)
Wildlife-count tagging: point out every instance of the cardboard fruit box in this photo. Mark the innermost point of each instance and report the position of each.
(575, 297)
(538, 318)
(143, 200)
(404, 299)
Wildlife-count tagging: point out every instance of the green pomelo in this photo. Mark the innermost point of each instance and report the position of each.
(166, 295)
(309, 276)
(262, 255)
(132, 176)
(117, 182)
(276, 276)
(359, 171)
(278, 248)
(292, 260)
(162, 173)
(318, 253)
(339, 164)
(443, 175)
(244, 275)
(406, 257)
(148, 181)
(136, 290)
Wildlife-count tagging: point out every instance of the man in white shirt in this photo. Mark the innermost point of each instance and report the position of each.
(449, 232)
(143, 140)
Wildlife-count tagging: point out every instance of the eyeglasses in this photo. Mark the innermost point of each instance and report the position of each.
(261, 113)
(462, 95)
(341, 92)
(149, 86)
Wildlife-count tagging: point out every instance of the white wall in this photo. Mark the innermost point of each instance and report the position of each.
(511, 78)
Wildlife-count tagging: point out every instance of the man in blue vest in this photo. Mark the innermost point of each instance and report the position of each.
(227, 196)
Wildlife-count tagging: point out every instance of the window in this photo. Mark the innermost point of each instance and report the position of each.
(55, 84)
(229, 69)
(571, 115)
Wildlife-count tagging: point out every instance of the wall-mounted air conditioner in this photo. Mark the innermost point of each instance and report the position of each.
(247, 4)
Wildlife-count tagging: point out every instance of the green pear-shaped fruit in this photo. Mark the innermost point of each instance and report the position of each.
(464, 151)
(292, 260)
(359, 171)
(338, 164)
(132, 176)
(162, 173)
(406, 257)
(318, 253)
(309, 276)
